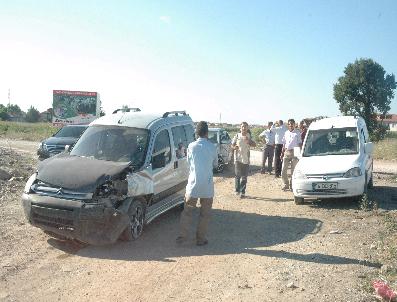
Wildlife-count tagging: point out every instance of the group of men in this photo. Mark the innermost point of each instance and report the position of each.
(279, 142)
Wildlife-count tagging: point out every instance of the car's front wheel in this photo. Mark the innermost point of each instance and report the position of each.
(299, 200)
(136, 214)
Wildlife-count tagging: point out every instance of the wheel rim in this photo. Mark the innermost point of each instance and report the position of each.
(136, 223)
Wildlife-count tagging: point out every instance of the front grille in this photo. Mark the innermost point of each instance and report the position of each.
(55, 149)
(45, 189)
(322, 192)
(325, 176)
(53, 217)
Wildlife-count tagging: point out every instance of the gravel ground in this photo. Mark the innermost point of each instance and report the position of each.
(262, 248)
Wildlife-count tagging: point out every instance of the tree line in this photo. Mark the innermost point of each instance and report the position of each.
(12, 110)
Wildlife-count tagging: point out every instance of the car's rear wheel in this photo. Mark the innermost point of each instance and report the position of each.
(299, 200)
(136, 213)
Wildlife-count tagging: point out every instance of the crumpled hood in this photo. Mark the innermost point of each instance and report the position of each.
(80, 174)
(327, 164)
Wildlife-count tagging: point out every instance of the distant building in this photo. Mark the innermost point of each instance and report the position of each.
(389, 120)
(46, 116)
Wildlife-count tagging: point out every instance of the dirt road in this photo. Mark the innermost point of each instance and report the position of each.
(263, 248)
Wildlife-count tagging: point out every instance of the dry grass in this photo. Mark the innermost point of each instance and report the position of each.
(26, 131)
(387, 148)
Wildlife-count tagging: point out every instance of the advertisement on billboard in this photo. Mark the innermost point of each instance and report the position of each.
(75, 107)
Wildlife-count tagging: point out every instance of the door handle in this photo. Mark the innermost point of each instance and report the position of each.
(175, 164)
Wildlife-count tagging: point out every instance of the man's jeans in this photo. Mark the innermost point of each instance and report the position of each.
(241, 171)
(268, 154)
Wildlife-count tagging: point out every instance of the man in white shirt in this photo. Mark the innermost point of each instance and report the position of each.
(202, 158)
(291, 140)
(241, 144)
(268, 137)
(279, 131)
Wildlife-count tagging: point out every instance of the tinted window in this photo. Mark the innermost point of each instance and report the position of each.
(70, 131)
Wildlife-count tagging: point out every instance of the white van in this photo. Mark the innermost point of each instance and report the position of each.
(336, 160)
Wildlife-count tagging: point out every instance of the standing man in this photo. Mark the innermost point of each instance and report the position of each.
(279, 131)
(202, 158)
(291, 140)
(241, 144)
(268, 137)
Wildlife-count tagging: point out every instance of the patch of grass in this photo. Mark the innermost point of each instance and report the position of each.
(386, 148)
(366, 204)
(26, 131)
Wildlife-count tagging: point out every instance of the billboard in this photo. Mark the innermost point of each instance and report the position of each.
(75, 107)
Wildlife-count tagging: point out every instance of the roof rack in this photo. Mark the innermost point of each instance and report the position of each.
(127, 110)
(176, 113)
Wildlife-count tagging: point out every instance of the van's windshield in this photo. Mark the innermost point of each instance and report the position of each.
(335, 141)
(113, 143)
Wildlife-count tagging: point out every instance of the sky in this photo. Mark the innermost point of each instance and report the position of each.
(221, 61)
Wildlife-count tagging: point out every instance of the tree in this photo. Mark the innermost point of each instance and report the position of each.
(3, 113)
(14, 109)
(365, 90)
(33, 115)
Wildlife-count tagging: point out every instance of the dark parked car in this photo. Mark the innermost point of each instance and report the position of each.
(55, 144)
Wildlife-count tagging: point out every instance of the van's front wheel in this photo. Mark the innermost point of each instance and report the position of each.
(134, 229)
(299, 200)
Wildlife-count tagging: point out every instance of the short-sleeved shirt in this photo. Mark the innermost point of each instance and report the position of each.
(279, 133)
(292, 139)
(269, 136)
(202, 158)
(242, 154)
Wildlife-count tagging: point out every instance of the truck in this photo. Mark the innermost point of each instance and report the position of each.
(75, 107)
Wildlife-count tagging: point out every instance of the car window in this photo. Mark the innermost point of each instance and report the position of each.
(113, 143)
(162, 146)
(70, 131)
(190, 135)
(213, 136)
(340, 141)
(180, 141)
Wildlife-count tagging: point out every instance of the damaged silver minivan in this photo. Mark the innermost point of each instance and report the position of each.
(125, 170)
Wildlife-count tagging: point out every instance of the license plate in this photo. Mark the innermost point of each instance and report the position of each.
(325, 185)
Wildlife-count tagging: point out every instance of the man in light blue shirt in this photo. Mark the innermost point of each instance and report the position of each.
(202, 158)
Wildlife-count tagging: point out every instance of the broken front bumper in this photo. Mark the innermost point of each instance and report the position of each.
(91, 223)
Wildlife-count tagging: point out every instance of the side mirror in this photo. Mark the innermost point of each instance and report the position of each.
(369, 148)
(68, 148)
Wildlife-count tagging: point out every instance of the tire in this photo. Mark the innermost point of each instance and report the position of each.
(299, 200)
(136, 212)
(221, 165)
(371, 182)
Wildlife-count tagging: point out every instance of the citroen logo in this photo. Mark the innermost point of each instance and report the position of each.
(325, 177)
(60, 191)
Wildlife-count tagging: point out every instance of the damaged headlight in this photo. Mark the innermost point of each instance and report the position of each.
(29, 183)
(114, 187)
(298, 174)
(353, 172)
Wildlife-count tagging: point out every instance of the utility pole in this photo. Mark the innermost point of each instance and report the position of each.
(220, 118)
(9, 97)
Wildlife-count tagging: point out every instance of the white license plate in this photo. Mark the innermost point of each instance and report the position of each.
(325, 185)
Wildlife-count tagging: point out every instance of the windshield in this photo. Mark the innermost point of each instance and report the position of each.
(336, 141)
(113, 143)
(70, 131)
